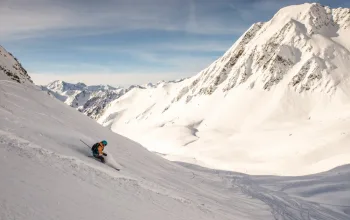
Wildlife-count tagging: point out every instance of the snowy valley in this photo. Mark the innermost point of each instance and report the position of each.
(269, 120)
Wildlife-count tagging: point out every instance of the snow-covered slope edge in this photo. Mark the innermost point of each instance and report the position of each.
(261, 107)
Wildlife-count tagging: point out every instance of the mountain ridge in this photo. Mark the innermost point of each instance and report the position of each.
(90, 100)
(11, 68)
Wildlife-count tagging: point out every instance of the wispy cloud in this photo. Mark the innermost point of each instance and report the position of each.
(35, 18)
(197, 46)
(157, 64)
(23, 18)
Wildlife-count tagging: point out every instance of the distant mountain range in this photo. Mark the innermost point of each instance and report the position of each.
(90, 100)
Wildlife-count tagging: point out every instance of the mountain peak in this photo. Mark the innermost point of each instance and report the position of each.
(317, 18)
(62, 86)
(11, 68)
(299, 44)
(101, 87)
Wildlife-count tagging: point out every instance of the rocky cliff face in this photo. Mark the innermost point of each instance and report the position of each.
(11, 68)
(305, 44)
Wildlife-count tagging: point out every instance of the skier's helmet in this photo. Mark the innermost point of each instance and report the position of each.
(104, 142)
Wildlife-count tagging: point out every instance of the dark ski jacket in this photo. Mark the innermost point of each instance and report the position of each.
(97, 149)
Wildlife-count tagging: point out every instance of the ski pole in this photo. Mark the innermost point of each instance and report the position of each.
(85, 144)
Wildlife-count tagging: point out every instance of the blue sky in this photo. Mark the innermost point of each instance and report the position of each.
(123, 42)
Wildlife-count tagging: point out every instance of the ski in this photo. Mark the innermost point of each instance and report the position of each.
(103, 163)
(95, 159)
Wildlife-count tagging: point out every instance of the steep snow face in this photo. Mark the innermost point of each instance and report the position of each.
(260, 108)
(61, 86)
(11, 69)
(91, 100)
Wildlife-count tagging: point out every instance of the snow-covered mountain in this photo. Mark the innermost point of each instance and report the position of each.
(12, 69)
(90, 100)
(278, 101)
(46, 173)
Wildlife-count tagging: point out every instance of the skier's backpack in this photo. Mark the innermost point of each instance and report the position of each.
(95, 147)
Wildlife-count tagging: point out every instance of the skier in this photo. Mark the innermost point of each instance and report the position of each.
(97, 150)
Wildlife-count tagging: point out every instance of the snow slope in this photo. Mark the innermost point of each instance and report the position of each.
(319, 196)
(277, 102)
(46, 174)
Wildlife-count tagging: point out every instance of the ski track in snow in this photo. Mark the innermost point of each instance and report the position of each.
(83, 170)
(284, 206)
(80, 168)
(26, 149)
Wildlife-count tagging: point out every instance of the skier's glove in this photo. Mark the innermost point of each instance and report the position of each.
(104, 154)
